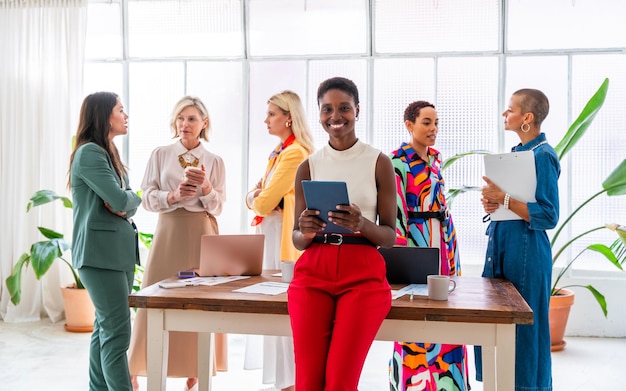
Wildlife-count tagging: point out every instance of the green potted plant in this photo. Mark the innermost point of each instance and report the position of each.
(79, 311)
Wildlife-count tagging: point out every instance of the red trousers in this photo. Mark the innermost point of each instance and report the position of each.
(337, 300)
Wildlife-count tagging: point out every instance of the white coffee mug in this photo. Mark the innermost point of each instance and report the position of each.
(440, 286)
(286, 269)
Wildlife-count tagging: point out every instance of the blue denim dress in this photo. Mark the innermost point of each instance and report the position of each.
(520, 252)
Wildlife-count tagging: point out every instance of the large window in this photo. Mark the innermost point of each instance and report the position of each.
(465, 57)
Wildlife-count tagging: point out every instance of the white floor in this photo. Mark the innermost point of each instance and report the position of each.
(43, 356)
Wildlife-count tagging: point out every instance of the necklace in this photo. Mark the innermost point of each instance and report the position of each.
(188, 159)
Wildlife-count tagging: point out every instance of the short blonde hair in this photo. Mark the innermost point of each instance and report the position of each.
(289, 103)
(187, 101)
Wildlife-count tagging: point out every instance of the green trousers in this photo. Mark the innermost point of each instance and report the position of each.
(108, 362)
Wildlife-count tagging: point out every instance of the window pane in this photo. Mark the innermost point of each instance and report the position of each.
(191, 28)
(103, 77)
(598, 153)
(467, 104)
(104, 30)
(566, 24)
(293, 27)
(355, 70)
(398, 82)
(414, 26)
(220, 86)
(154, 88)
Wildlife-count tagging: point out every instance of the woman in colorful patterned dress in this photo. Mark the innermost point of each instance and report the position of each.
(422, 221)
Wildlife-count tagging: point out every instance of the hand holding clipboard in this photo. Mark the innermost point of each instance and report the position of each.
(514, 173)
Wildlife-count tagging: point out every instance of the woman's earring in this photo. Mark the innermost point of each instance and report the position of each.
(527, 128)
(288, 124)
(357, 118)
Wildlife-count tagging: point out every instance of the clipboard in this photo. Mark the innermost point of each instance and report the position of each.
(515, 174)
(325, 196)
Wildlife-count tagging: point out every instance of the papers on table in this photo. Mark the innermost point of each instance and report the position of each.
(196, 281)
(412, 289)
(265, 288)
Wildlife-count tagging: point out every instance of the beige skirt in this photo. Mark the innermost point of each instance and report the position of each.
(175, 247)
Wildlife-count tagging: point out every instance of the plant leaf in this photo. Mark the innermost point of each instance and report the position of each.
(14, 282)
(607, 252)
(43, 254)
(46, 196)
(599, 298)
(615, 184)
(448, 162)
(50, 234)
(619, 249)
(146, 239)
(578, 128)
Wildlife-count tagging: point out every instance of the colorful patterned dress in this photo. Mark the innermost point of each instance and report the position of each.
(420, 188)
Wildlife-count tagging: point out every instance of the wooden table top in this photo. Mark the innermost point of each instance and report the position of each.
(475, 300)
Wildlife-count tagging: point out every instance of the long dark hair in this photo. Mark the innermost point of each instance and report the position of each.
(94, 127)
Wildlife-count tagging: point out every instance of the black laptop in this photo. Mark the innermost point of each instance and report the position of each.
(410, 265)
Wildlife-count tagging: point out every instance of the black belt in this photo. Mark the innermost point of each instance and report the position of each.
(337, 239)
(440, 215)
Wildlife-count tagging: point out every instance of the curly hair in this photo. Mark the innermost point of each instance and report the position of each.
(412, 111)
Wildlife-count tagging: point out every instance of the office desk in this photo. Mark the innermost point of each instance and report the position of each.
(480, 311)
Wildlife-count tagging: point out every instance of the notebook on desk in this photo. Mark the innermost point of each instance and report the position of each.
(231, 255)
(410, 265)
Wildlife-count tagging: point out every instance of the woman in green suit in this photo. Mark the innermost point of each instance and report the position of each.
(104, 248)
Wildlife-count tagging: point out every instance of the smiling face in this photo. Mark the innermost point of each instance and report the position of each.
(423, 130)
(118, 121)
(189, 124)
(276, 121)
(338, 113)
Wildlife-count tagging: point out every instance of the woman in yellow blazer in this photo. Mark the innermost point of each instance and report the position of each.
(273, 202)
(104, 244)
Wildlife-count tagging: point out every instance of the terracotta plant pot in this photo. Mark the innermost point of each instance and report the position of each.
(79, 310)
(559, 312)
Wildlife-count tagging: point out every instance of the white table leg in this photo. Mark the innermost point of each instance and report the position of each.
(205, 360)
(489, 368)
(505, 357)
(157, 350)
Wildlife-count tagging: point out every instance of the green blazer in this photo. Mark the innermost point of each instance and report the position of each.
(102, 239)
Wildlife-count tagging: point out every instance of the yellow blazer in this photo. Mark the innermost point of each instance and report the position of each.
(281, 186)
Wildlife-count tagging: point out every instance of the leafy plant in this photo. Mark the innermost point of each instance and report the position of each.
(614, 185)
(42, 254)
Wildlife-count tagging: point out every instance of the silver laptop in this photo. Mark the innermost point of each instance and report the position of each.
(231, 255)
(411, 265)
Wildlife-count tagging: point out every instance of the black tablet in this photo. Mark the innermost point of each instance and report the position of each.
(325, 196)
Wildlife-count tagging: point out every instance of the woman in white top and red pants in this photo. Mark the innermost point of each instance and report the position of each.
(339, 294)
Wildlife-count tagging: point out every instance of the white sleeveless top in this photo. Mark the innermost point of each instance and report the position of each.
(356, 166)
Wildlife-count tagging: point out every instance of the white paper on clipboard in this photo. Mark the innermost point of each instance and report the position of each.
(513, 173)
